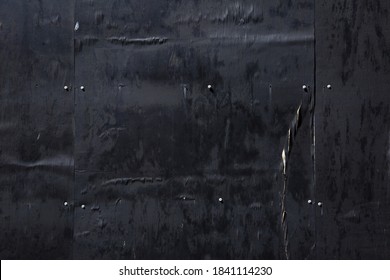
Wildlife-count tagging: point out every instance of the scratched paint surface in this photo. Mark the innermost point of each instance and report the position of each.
(156, 148)
(352, 129)
(184, 131)
(37, 142)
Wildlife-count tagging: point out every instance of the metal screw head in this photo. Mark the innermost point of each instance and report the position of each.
(83, 206)
(82, 88)
(329, 86)
(305, 87)
(65, 203)
(309, 201)
(319, 204)
(210, 88)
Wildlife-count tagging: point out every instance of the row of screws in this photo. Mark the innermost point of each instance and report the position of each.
(209, 87)
(68, 88)
(306, 88)
(219, 199)
(66, 204)
(311, 202)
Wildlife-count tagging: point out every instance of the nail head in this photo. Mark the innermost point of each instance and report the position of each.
(210, 88)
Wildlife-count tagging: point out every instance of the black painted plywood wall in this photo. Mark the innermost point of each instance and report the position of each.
(352, 128)
(194, 129)
(36, 127)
